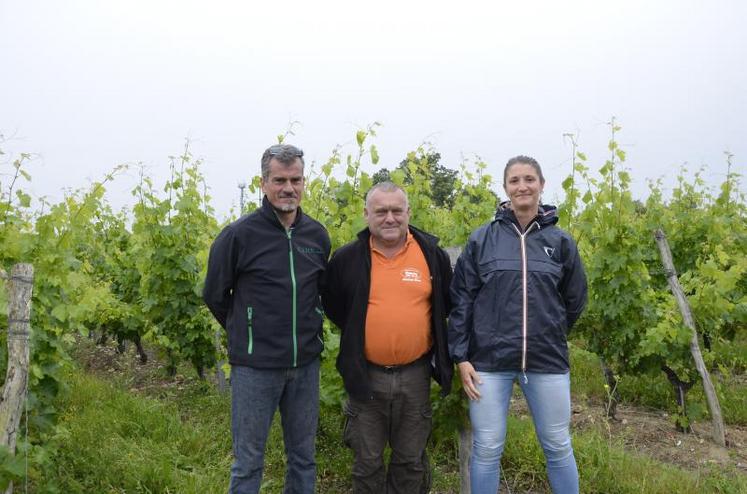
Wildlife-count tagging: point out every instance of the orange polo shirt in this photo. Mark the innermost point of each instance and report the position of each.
(398, 321)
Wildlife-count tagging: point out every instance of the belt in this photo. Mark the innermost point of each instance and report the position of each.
(397, 367)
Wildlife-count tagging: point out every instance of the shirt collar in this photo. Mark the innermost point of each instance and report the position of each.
(408, 241)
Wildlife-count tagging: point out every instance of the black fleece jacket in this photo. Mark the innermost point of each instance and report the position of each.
(345, 298)
(262, 286)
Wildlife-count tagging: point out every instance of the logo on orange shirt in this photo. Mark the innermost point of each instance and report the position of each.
(411, 275)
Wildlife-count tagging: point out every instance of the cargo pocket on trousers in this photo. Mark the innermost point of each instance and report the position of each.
(427, 413)
(349, 428)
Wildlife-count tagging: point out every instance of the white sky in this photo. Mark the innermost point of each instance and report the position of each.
(87, 85)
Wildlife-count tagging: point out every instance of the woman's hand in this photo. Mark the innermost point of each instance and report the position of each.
(470, 380)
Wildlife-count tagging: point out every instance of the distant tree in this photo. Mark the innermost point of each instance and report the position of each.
(380, 176)
(442, 179)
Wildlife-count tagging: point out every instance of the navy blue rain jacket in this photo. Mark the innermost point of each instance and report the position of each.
(515, 295)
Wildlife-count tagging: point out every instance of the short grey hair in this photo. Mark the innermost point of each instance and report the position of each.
(284, 153)
(386, 187)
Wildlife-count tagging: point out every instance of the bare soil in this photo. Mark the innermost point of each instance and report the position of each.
(652, 433)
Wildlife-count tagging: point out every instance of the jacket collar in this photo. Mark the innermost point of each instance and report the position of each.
(546, 214)
(268, 212)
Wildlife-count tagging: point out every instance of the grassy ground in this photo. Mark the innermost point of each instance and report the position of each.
(127, 429)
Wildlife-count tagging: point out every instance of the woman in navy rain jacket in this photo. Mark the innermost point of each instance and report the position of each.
(518, 287)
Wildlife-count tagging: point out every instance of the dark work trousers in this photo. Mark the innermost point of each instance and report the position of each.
(400, 414)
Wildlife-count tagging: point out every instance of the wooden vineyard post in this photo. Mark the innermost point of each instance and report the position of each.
(465, 432)
(710, 392)
(16, 380)
(220, 376)
(465, 451)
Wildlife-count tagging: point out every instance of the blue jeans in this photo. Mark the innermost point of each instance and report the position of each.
(549, 400)
(256, 394)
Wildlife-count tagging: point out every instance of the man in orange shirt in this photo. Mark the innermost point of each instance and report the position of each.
(388, 292)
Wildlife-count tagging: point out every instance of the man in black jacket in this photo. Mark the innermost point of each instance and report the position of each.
(262, 286)
(388, 293)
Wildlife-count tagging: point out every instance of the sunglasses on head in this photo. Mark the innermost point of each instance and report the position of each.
(285, 148)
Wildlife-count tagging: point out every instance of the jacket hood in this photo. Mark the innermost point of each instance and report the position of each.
(546, 214)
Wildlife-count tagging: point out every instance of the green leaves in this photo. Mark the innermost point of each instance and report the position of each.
(12, 467)
(171, 239)
(139, 275)
(374, 154)
(24, 200)
(60, 312)
(632, 320)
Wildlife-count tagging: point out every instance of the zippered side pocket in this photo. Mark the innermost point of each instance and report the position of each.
(319, 336)
(250, 335)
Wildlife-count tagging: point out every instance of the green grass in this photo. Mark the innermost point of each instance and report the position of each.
(605, 467)
(114, 441)
(177, 440)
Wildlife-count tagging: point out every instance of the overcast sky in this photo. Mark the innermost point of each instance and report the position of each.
(86, 85)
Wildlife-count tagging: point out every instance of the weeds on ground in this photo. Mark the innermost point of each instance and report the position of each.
(127, 434)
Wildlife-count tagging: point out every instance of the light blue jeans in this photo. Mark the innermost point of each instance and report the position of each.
(256, 395)
(549, 400)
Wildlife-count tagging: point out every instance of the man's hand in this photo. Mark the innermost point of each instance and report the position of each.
(470, 380)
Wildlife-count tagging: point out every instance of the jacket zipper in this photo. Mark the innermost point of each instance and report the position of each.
(525, 298)
(289, 232)
(250, 335)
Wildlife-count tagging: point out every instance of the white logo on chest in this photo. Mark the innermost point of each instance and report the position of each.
(411, 275)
